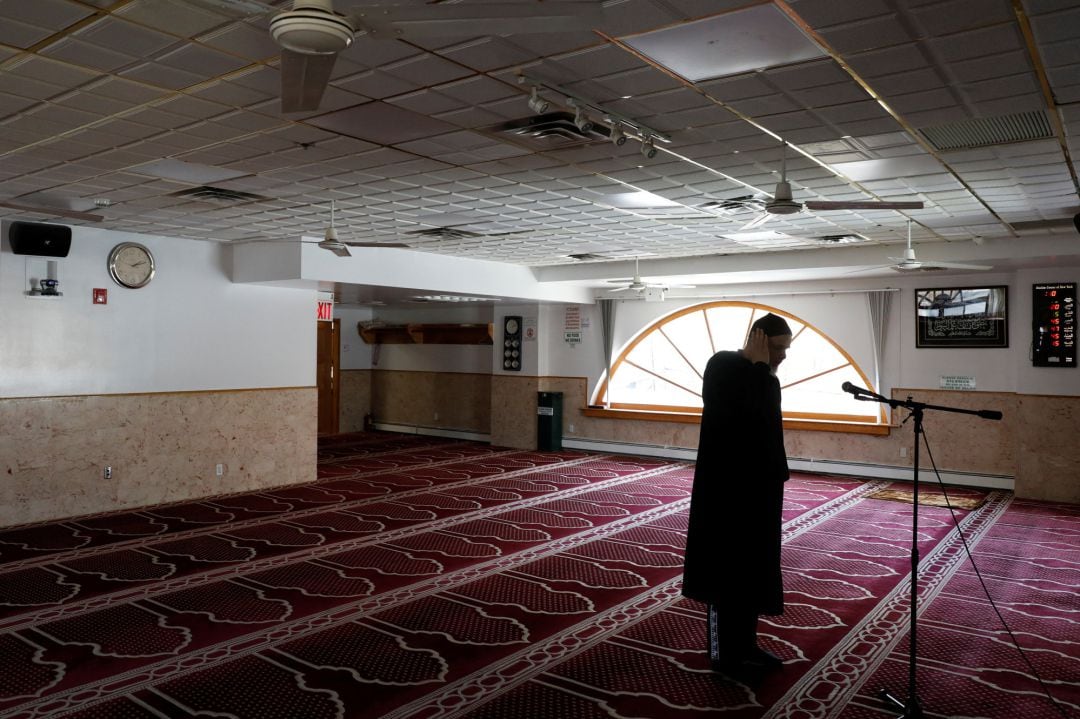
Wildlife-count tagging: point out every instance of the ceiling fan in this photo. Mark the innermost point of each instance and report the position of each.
(782, 202)
(910, 263)
(313, 32)
(340, 247)
(638, 286)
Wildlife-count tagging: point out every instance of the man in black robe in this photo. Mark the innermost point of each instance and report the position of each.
(733, 540)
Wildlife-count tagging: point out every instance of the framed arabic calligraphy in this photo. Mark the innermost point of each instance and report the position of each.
(961, 317)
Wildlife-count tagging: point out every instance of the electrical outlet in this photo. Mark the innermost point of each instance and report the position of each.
(903, 452)
(108, 473)
(219, 470)
(569, 429)
(435, 416)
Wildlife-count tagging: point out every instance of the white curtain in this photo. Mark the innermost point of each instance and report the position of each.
(607, 322)
(879, 303)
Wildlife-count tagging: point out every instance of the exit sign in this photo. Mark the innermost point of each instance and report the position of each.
(325, 311)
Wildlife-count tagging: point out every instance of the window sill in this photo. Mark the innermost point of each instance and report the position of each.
(810, 425)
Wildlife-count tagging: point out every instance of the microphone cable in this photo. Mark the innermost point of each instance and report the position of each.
(967, 550)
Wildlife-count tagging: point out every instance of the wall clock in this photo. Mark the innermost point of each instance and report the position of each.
(131, 265)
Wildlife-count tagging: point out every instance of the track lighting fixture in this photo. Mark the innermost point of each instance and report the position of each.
(618, 137)
(537, 103)
(581, 120)
(622, 127)
(648, 148)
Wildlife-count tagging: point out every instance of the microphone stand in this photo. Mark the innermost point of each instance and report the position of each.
(912, 709)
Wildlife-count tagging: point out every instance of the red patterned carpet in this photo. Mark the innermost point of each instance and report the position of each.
(422, 577)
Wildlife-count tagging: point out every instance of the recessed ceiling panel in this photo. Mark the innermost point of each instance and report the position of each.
(185, 171)
(890, 167)
(381, 123)
(741, 41)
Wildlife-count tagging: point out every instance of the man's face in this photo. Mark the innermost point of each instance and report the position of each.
(778, 347)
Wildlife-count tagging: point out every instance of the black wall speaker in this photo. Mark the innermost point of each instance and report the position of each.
(38, 238)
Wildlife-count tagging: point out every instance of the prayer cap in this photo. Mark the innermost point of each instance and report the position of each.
(773, 325)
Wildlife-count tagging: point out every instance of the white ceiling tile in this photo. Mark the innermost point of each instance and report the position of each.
(175, 17)
(751, 39)
(20, 34)
(930, 71)
(243, 40)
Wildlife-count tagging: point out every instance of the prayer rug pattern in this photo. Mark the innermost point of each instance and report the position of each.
(421, 577)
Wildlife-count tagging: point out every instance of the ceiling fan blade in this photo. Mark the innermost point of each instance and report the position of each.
(54, 211)
(303, 80)
(869, 269)
(955, 265)
(623, 281)
(418, 21)
(338, 249)
(756, 222)
(376, 244)
(861, 205)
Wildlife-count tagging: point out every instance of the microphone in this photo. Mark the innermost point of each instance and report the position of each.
(853, 390)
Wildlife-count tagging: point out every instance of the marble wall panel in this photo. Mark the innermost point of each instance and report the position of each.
(1049, 465)
(443, 400)
(355, 399)
(513, 411)
(161, 447)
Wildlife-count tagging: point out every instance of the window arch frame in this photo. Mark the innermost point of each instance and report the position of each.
(878, 419)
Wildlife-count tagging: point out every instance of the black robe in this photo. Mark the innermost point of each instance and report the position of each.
(733, 541)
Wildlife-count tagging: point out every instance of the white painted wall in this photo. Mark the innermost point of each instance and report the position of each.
(1006, 369)
(355, 353)
(566, 359)
(191, 328)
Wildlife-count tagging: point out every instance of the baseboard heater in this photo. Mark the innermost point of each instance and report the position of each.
(820, 466)
(432, 431)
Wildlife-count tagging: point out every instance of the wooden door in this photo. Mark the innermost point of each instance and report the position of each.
(327, 376)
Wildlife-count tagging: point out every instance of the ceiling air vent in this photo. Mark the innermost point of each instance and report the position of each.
(735, 205)
(550, 131)
(445, 233)
(586, 256)
(837, 239)
(218, 195)
(984, 131)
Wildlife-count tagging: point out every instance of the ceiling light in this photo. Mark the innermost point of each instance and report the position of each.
(581, 120)
(618, 137)
(648, 149)
(537, 103)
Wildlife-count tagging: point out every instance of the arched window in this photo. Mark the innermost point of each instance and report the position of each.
(661, 369)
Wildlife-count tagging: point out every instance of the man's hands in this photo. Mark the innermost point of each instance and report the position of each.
(757, 347)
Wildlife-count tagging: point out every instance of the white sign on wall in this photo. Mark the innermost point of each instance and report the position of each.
(957, 382)
(573, 319)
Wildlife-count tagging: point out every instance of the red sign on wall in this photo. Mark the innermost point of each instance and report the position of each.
(325, 311)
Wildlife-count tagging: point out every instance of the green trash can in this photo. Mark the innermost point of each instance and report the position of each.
(549, 421)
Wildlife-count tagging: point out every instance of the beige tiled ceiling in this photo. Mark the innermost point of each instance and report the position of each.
(410, 134)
